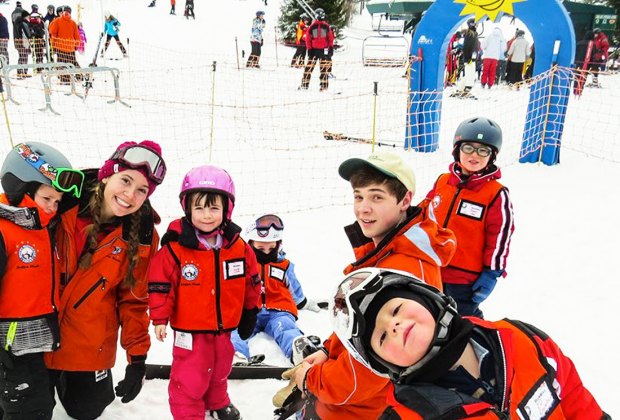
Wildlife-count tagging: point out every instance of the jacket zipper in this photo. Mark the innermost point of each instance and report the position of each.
(458, 191)
(90, 291)
(54, 253)
(505, 371)
(262, 280)
(218, 309)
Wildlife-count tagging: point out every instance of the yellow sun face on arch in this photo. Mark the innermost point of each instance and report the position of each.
(491, 8)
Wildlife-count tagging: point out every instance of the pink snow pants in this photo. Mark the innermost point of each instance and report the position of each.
(198, 377)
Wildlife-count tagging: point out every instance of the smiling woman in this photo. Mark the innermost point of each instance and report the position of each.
(105, 242)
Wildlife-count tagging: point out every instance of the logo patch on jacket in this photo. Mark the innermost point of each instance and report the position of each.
(189, 272)
(27, 253)
(234, 269)
(471, 210)
(276, 273)
(539, 402)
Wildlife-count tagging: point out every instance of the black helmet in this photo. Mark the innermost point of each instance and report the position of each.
(34, 7)
(520, 32)
(18, 176)
(471, 23)
(480, 130)
(50, 7)
(320, 14)
(260, 13)
(59, 10)
(66, 9)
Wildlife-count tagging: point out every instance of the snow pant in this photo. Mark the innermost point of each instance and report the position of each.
(108, 37)
(489, 67)
(281, 326)
(469, 77)
(68, 57)
(4, 50)
(23, 50)
(462, 295)
(254, 55)
(25, 389)
(189, 11)
(38, 45)
(500, 73)
(199, 377)
(315, 55)
(84, 395)
(514, 72)
(299, 58)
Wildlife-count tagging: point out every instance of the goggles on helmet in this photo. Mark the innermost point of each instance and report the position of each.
(266, 228)
(137, 156)
(63, 179)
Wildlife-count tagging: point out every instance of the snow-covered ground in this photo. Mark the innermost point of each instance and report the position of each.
(560, 273)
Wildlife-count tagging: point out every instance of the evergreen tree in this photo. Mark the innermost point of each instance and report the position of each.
(337, 12)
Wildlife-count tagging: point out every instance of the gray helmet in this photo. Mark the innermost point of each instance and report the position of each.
(471, 23)
(596, 30)
(17, 175)
(480, 130)
(320, 14)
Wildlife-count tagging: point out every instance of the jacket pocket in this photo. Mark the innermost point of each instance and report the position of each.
(100, 282)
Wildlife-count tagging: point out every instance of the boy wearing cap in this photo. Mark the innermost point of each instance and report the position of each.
(388, 232)
(443, 366)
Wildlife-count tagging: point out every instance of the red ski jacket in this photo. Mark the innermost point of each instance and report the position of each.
(479, 212)
(319, 35)
(535, 379)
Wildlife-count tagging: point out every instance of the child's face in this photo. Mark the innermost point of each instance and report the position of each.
(47, 198)
(265, 247)
(403, 332)
(377, 210)
(473, 162)
(124, 193)
(207, 217)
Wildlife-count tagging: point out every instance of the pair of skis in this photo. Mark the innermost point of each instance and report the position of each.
(327, 135)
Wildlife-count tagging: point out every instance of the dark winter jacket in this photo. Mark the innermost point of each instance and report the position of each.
(470, 45)
(21, 28)
(581, 50)
(4, 27)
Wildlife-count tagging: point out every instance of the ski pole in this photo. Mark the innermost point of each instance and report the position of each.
(212, 107)
(237, 53)
(374, 115)
(275, 36)
(6, 118)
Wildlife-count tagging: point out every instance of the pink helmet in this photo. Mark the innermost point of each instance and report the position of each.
(209, 178)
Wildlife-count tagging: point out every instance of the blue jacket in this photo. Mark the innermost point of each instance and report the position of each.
(4, 27)
(112, 27)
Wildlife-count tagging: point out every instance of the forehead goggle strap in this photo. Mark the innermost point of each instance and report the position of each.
(63, 179)
(138, 156)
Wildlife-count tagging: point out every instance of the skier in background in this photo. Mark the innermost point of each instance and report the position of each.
(518, 52)
(82, 47)
(599, 55)
(470, 51)
(65, 38)
(111, 29)
(37, 31)
(299, 58)
(4, 39)
(21, 34)
(50, 15)
(256, 39)
(173, 5)
(189, 9)
(319, 40)
(494, 48)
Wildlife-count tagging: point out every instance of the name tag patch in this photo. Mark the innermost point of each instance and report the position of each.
(100, 375)
(183, 340)
(471, 210)
(541, 402)
(276, 273)
(234, 269)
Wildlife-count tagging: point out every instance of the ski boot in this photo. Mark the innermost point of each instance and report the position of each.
(303, 347)
(229, 412)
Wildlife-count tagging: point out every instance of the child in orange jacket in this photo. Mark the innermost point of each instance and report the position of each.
(443, 366)
(203, 281)
(34, 178)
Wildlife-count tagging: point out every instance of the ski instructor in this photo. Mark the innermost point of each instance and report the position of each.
(65, 40)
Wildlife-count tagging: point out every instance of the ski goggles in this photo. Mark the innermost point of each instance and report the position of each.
(266, 222)
(482, 151)
(66, 180)
(137, 156)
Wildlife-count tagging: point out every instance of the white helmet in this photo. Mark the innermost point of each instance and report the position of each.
(267, 228)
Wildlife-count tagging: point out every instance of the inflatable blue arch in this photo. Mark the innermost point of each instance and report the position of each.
(554, 37)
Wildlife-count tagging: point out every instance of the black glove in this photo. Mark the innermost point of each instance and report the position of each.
(247, 323)
(130, 387)
(5, 359)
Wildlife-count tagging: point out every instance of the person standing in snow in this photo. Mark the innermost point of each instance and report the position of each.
(494, 48)
(203, 281)
(28, 296)
(189, 9)
(65, 38)
(107, 240)
(471, 47)
(173, 5)
(256, 39)
(600, 53)
(482, 219)
(518, 52)
(21, 36)
(37, 32)
(281, 292)
(319, 41)
(4, 39)
(111, 29)
(299, 58)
